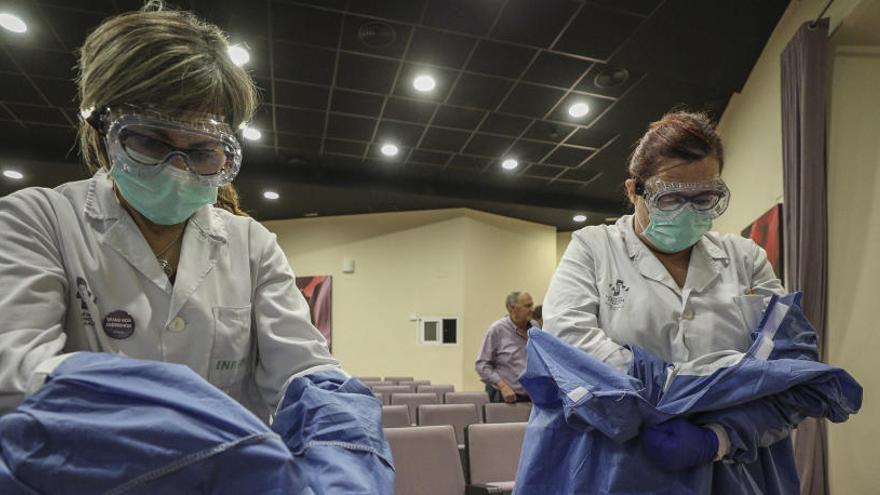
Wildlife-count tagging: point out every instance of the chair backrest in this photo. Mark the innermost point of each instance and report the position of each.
(377, 383)
(457, 415)
(493, 451)
(383, 398)
(388, 390)
(476, 398)
(501, 412)
(440, 390)
(395, 416)
(396, 379)
(366, 379)
(414, 401)
(414, 383)
(426, 461)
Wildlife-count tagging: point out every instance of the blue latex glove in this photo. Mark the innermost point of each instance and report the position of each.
(679, 444)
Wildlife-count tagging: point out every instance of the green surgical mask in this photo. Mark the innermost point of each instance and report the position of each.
(675, 233)
(166, 198)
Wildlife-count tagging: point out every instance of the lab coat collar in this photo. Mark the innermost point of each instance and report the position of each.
(707, 258)
(645, 261)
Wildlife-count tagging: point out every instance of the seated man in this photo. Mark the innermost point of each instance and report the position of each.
(503, 355)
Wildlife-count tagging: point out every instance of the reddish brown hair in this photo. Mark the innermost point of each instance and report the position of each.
(678, 135)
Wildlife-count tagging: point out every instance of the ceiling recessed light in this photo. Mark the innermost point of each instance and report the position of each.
(424, 83)
(238, 54)
(579, 109)
(12, 23)
(13, 174)
(580, 218)
(251, 133)
(390, 150)
(509, 164)
(271, 195)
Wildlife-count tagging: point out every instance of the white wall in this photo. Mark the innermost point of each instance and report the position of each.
(453, 262)
(854, 265)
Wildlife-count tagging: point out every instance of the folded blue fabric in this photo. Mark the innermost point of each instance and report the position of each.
(582, 433)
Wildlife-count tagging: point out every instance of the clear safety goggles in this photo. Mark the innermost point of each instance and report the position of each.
(669, 198)
(149, 141)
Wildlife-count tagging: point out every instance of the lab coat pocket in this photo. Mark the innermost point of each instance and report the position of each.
(232, 343)
(752, 308)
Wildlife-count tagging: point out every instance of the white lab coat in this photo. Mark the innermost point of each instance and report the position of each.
(76, 274)
(610, 290)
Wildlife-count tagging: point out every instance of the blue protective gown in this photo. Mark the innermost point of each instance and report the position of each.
(583, 432)
(108, 424)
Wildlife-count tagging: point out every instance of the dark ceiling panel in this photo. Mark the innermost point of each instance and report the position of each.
(500, 59)
(439, 48)
(474, 90)
(303, 63)
(345, 101)
(556, 69)
(308, 55)
(462, 118)
(596, 32)
(533, 23)
(305, 25)
(466, 16)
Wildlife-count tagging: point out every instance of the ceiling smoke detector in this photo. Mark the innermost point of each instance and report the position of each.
(376, 34)
(611, 78)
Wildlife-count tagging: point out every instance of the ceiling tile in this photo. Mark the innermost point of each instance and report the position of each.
(488, 145)
(45, 63)
(401, 10)
(38, 114)
(301, 95)
(296, 142)
(399, 133)
(299, 121)
(459, 117)
(344, 147)
(530, 100)
(556, 69)
(439, 48)
(549, 131)
(303, 63)
(593, 138)
(531, 151)
(533, 23)
(468, 162)
(365, 73)
(305, 24)
(500, 59)
(17, 88)
(567, 156)
(505, 124)
(341, 126)
(60, 92)
(466, 16)
(539, 170)
(357, 103)
(443, 139)
(478, 91)
(430, 157)
(596, 32)
(409, 110)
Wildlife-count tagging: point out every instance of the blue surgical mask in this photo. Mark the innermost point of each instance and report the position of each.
(675, 233)
(166, 198)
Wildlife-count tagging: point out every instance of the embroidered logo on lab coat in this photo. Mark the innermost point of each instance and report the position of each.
(616, 295)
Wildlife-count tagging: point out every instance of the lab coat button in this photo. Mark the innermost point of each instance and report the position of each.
(177, 325)
(688, 314)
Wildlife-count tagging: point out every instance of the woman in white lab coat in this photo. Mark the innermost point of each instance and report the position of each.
(660, 280)
(135, 260)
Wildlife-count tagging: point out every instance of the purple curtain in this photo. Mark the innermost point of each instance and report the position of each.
(804, 95)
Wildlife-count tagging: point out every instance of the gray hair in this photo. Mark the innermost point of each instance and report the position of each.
(511, 299)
